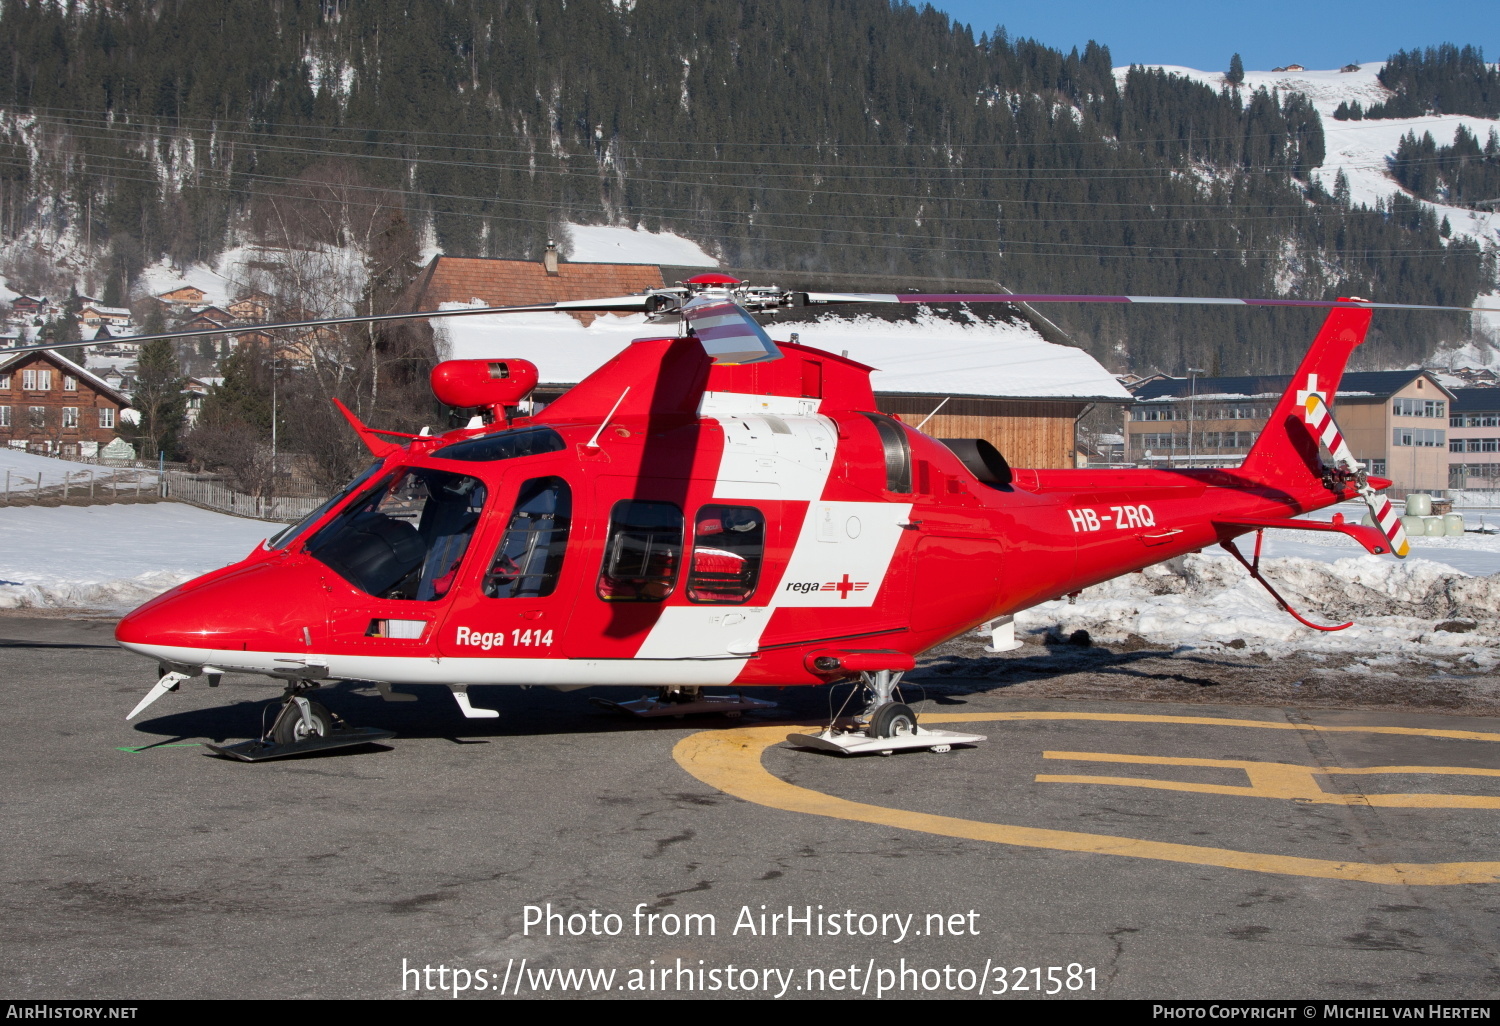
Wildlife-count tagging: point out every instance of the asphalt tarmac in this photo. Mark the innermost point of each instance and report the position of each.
(1091, 847)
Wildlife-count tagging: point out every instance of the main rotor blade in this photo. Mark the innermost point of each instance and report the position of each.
(727, 332)
(619, 304)
(1018, 297)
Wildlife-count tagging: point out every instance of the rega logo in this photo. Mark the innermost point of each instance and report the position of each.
(803, 587)
(486, 641)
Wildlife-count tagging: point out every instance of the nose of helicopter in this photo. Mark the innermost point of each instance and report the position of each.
(258, 608)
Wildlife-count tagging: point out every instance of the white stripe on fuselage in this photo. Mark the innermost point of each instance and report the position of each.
(444, 670)
(774, 449)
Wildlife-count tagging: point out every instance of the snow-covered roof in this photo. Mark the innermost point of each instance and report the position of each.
(1270, 386)
(925, 356)
(80, 372)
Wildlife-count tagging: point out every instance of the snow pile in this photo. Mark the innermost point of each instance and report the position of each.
(114, 557)
(928, 355)
(1441, 604)
(604, 244)
(1412, 609)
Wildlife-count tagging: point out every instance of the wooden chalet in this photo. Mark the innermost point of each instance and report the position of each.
(95, 314)
(183, 295)
(254, 306)
(218, 315)
(52, 406)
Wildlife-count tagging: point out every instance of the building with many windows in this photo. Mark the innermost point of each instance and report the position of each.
(1474, 438)
(1397, 422)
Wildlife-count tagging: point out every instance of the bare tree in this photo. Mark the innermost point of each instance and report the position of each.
(333, 244)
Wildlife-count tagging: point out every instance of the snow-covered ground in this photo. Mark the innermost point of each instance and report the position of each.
(608, 245)
(24, 466)
(114, 557)
(929, 354)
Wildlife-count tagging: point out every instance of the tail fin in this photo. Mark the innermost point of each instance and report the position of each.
(1286, 453)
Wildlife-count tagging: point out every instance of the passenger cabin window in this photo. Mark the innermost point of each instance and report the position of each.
(897, 452)
(530, 556)
(642, 553)
(503, 445)
(405, 537)
(728, 543)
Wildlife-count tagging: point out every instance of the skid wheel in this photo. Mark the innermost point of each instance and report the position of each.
(290, 727)
(893, 720)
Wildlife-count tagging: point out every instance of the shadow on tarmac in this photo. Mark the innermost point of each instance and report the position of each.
(435, 715)
(539, 711)
(974, 674)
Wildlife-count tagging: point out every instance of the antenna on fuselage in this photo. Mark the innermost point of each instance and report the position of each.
(593, 443)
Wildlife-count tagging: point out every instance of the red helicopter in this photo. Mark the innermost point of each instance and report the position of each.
(712, 508)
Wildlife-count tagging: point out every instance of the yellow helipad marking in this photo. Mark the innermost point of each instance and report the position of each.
(1282, 780)
(730, 760)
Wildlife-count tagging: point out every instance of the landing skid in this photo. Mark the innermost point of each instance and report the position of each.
(857, 742)
(258, 750)
(685, 702)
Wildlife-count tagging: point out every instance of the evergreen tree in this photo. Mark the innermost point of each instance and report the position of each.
(158, 399)
(1236, 73)
(244, 396)
(67, 329)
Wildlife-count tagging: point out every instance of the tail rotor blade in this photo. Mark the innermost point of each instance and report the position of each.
(1321, 420)
(1387, 519)
(727, 332)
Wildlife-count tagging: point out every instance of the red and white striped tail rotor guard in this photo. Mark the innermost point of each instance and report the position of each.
(1323, 425)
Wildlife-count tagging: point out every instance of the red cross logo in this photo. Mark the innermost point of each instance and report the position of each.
(844, 587)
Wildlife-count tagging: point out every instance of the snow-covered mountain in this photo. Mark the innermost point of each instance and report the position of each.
(1362, 151)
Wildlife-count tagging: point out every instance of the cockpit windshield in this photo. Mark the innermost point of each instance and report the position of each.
(406, 536)
(290, 534)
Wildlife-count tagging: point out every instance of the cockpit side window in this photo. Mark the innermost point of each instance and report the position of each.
(530, 556)
(728, 543)
(643, 552)
(406, 537)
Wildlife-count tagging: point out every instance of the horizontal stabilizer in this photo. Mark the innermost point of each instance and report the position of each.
(1371, 538)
